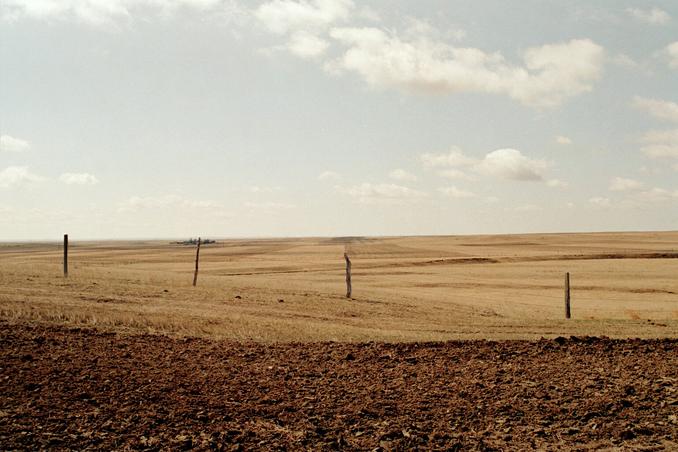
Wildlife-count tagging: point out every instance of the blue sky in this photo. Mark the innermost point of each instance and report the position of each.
(148, 118)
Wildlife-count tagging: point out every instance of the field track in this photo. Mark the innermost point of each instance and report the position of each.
(71, 388)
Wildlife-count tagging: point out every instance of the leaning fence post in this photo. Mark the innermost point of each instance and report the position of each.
(197, 258)
(567, 295)
(348, 276)
(65, 255)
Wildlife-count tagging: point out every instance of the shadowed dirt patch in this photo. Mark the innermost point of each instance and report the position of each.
(77, 388)
(556, 257)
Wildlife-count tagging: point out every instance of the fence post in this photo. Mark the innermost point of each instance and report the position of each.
(567, 295)
(348, 276)
(197, 258)
(65, 255)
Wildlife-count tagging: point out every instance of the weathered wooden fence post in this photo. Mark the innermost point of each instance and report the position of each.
(197, 258)
(567, 295)
(348, 276)
(65, 255)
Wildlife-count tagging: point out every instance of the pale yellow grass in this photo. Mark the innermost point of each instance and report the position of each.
(405, 288)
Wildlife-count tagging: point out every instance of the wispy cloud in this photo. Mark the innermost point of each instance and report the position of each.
(455, 174)
(11, 144)
(654, 16)
(457, 193)
(560, 139)
(304, 23)
(287, 16)
(660, 143)
(556, 183)
(454, 158)
(329, 176)
(371, 193)
(661, 109)
(623, 184)
(269, 206)
(14, 176)
(136, 203)
(402, 175)
(106, 12)
(671, 52)
(264, 189)
(307, 45)
(655, 194)
(600, 201)
(78, 179)
(527, 208)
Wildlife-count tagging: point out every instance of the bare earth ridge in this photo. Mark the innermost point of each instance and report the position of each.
(71, 388)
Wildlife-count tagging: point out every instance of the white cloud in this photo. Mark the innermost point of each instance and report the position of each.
(671, 51)
(17, 175)
(454, 174)
(264, 189)
(416, 27)
(306, 45)
(650, 170)
(454, 192)
(556, 183)
(11, 144)
(455, 158)
(563, 140)
(78, 179)
(329, 176)
(136, 203)
(653, 16)
(303, 21)
(660, 143)
(504, 163)
(269, 206)
(402, 175)
(656, 195)
(369, 193)
(550, 74)
(512, 164)
(102, 12)
(660, 109)
(286, 16)
(600, 201)
(623, 60)
(622, 184)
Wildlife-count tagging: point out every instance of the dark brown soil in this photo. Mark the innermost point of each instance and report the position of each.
(76, 389)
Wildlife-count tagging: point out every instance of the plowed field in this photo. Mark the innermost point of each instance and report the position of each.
(70, 388)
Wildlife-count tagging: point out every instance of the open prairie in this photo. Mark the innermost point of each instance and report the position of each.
(404, 288)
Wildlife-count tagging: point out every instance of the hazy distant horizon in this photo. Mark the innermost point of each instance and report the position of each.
(74, 240)
(325, 118)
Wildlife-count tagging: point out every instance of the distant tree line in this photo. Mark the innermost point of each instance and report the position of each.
(195, 242)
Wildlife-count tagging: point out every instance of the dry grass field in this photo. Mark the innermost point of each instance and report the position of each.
(405, 288)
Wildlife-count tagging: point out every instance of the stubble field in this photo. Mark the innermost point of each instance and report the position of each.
(404, 289)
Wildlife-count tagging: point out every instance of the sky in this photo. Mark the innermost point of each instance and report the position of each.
(232, 118)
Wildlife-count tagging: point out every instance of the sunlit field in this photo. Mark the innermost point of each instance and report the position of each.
(404, 288)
